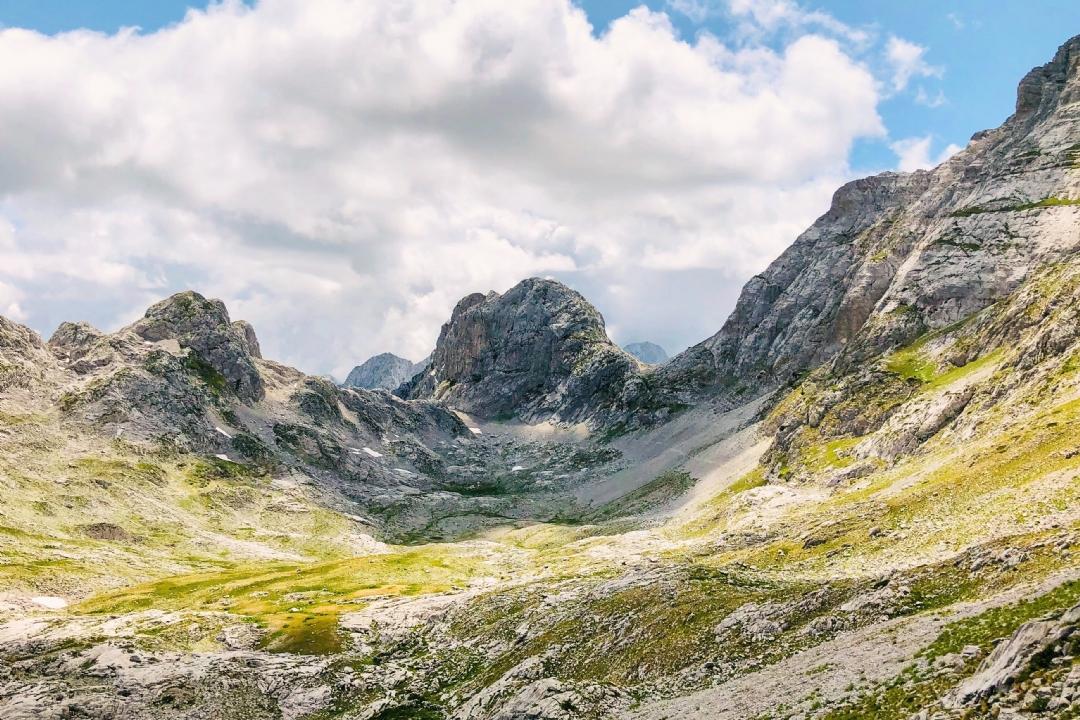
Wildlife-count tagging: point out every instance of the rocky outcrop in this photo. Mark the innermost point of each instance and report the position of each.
(251, 342)
(24, 358)
(385, 371)
(537, 352)
(73, 340)
(1003, 667)
(811, 300)
(647, 352)
(203, 326)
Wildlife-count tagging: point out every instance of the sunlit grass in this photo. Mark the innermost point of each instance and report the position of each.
(300, 604)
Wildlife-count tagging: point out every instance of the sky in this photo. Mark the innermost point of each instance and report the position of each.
(340, 173)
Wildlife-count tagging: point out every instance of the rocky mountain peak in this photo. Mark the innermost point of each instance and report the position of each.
(538, 351)
(73, 340)
(203, 326)
(16, 339)
(250, 339)
(1048, 86)
(22, 355)
(385, 371)
(647, 352)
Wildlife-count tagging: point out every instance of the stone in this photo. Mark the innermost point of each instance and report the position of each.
(1001, 668)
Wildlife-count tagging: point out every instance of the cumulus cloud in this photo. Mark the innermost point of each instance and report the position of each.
(908, 60)
(9, 302)
(340, 173)
(914, 153)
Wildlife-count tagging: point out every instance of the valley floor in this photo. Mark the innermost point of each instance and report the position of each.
(702, 593)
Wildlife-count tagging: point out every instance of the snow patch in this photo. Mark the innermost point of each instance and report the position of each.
(49, 601)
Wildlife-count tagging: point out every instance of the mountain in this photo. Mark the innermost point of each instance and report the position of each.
(381, 372)
(185, 379)
(900, 254)
(647, 352)
(859, 499)
(537, 352)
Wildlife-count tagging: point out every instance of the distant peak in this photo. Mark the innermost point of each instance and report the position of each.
(647, 352)
(385, 371)
(537, 352)
(177, 313)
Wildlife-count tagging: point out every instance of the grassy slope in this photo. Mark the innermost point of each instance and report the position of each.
(82, 514)
(300, 604)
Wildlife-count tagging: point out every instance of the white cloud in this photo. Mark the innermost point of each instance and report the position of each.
(9, 302)
(932, 101)
(340, 173)
(914, 153)
(697, 10)
(772, 15)
(908, 61)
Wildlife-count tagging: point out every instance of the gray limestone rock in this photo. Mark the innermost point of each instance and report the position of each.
(1003, 666)
(385, 371)
(203, 326)
(537, 352)
(248, 333)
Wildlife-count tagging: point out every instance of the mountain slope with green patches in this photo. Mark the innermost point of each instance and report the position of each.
(861, 499)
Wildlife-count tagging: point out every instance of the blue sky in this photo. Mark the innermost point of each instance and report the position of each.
(981, 46)
(342, 172)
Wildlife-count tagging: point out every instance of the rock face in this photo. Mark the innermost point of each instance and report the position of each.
(647, 352)
(72, 341)
(1004, 665)
(899, 254)
(381, 372)
(537, 352)
(203, 326)
(24, 358)
(250, 340)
